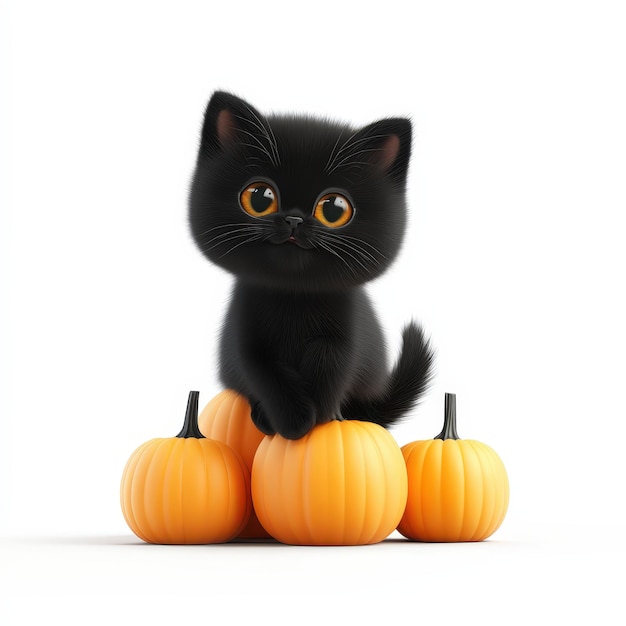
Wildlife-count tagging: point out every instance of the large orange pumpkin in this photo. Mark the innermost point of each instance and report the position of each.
(458, 488)
(227, 418)
(344, 483)
(186, 489)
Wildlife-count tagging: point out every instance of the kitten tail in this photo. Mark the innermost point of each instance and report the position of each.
(408, 381)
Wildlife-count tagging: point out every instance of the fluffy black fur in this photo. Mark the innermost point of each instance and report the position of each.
(300, 339)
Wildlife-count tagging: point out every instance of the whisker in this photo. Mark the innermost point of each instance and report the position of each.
(230, 238)
(272, 140)
(356, 240)
(343, 147)
(349, 144)
(249, 240)
(331, 158)
(326, 246)
(206, 232)
(358, 250)
(245, 229)
(348, 159)
(261, 148)
(339, 244)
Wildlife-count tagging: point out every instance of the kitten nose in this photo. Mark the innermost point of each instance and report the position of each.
(293, 220)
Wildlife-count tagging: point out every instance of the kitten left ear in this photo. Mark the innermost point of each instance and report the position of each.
(227, 120)
(387, 145)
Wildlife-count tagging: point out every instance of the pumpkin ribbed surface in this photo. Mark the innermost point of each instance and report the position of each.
(458, 490)
(185, 491)
(344, 483)
(227, 418)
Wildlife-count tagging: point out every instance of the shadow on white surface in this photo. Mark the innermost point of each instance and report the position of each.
(561, 574)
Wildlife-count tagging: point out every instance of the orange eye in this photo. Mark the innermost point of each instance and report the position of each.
(333, 210)
(259, 199)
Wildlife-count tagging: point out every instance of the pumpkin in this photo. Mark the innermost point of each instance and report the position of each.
(227, 418)
(186, 489)
(344, 483)
(458, 488)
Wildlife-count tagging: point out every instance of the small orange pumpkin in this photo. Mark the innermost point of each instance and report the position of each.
(186, 489)
(227, 418)
(458, 489)
(344, 483)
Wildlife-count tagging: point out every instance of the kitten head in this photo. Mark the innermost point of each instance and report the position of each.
(298, 202)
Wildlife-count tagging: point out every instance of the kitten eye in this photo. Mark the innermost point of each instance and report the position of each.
(259, 199)
(333, 210)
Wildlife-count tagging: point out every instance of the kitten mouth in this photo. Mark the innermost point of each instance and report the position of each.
(302, 244)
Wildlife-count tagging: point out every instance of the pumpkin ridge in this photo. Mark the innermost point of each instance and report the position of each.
(365, 500)
(422, 459)
(252, 436)
(342, 477)
(124, 486)
(230, 422)
(385, 476)
(489, 498)
(207, 474)
(153, 447)
(255, 478)
(373, 435)
(433, 450)
(306, 488)
(181, 496)
(136, 501)
(128, 508)
(415, 450)
(495, 511)
(403, 490)
(450, 448)
(277, 459)
(199, 456)
(167, 481)
(467, 449)
(499, 488)
(203, 452)
(229, 482)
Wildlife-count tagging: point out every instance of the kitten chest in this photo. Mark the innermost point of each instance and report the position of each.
(283, 323)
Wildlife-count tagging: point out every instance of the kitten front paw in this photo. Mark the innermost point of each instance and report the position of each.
(291, 418)
(260, 419)
(297, 422)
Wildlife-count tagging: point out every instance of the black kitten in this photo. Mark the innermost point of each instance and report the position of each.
(304, 212)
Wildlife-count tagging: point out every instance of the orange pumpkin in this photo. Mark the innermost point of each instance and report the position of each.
(458, 489)
(186, 489)
(227, 418)
(344, 483)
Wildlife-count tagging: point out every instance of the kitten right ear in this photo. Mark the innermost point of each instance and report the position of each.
(226, 119)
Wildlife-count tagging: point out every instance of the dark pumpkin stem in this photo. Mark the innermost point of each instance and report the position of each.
(449, 420)
(190, 427)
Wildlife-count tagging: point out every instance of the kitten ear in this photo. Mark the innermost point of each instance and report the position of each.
(387, 145)
(227, 120)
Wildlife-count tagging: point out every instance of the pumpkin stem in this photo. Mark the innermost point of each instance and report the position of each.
(190, 427)
(449, 420)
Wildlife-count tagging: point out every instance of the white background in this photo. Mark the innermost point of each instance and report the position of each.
(514, 262)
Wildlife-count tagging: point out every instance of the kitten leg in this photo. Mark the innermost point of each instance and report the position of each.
(282, 403)
(326, 363)
(259, 418)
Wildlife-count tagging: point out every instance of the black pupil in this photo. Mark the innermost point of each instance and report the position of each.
(333, 210)
(259, 201)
